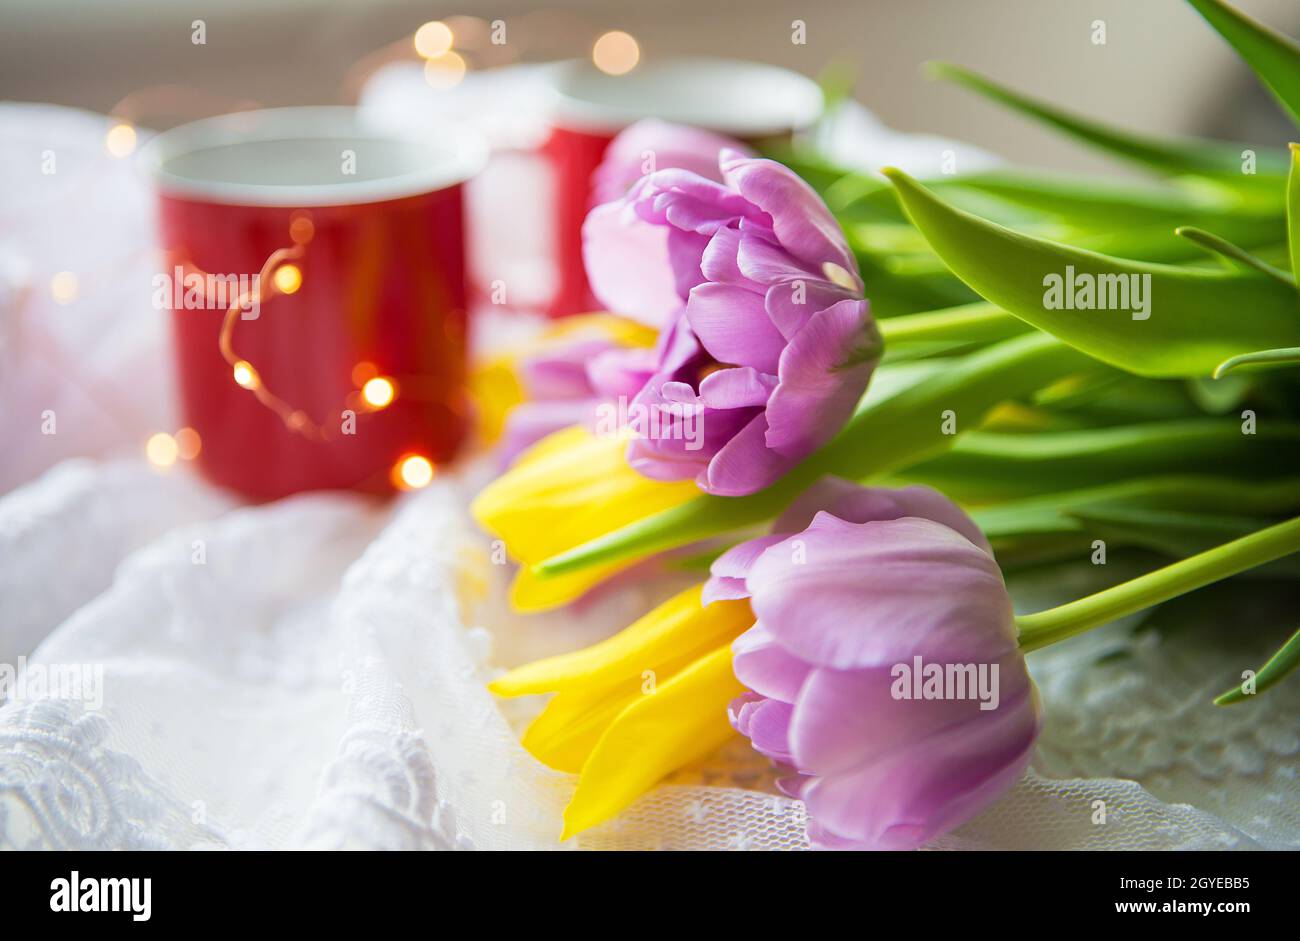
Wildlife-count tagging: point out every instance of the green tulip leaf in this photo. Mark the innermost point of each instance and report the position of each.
(1238, 259)
(1177, 533)
(1209, 158)
(1262, 359)
(1088, 203)
(1274, 57)
(1293, 211)
(1279, 665)
(980, 322)
(893, 293)
(1060, 512)
(987, 466)
(1163, 321)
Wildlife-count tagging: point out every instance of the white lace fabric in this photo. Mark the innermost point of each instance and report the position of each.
(319, 681)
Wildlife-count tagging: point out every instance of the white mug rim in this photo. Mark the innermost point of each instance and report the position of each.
(466, 153)
(572, 110)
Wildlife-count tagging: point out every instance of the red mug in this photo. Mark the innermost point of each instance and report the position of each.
(748, 101)
(315, 267)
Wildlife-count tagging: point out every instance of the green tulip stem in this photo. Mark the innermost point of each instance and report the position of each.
(882, 437)
(1048, 627)
(970, 323)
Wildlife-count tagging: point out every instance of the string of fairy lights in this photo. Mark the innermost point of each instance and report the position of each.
(439, 44)
(282, 271)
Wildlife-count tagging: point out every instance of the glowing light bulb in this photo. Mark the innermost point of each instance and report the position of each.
(434, 39)
(120, 140)
(616, 53)
(245, 374)
(288, 278)
(64, 287)
(161, 450)
(378, 392)
(444, 71)
(188, 444)
(413, 472)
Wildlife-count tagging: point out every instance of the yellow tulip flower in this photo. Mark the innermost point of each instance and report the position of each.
(636, 707)
(570, 487)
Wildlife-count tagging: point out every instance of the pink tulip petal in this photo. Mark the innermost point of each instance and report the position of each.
(926, 585)
(628, 265)
(791, 304)
(741, 387)
(620, 371)
(530, 422)
(652, 145)
(855, 503)
(803, 224)
(845, 718)
(689, 202)
(732, 325)
(685, 250)
(824, 371)
(793, 786)
(763, 260)
(936, 784)
(768, 726)
(737, 561)
(766, 668)
(718, 262)
(723, 588)
(745, 464)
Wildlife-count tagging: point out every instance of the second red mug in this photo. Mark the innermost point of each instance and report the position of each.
(748, 101)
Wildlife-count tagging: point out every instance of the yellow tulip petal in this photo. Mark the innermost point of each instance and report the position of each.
(679, 627)
(495, 389)
(530, 594)
(556, 442)
(564, 733)
(621, 330)
(682, 722)
(571, 487)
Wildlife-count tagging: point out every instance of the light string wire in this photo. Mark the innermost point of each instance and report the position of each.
(245, 373)
(377, 393)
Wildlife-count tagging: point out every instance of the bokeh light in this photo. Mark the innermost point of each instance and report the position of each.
(63, 286)
(616, 53)
(413, 472)
(120, 140)
(245, 374)
(188, 444)
(161, 450)
(434, 39)
(444, 71)
(378, 392)
(288, 278)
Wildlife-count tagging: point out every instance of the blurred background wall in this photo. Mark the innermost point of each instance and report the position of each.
(1161, 68)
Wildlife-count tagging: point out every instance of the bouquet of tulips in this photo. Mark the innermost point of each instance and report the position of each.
(864, 401)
